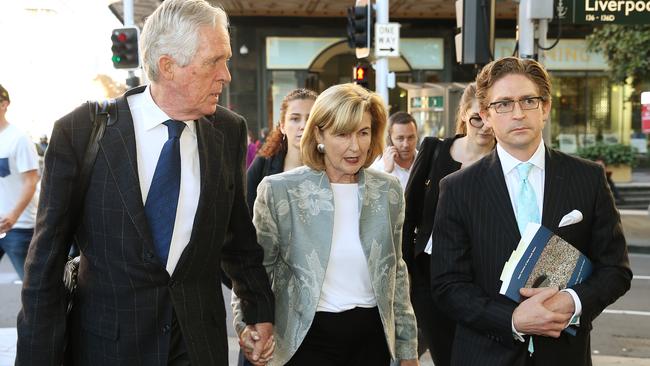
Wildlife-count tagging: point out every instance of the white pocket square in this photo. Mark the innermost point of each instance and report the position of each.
(571, 218)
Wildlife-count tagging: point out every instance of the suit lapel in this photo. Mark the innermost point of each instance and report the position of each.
(119, 149)
(553, 177)
(496, 192)
(210, 148)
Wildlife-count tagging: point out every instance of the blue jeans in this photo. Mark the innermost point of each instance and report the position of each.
(15, 245)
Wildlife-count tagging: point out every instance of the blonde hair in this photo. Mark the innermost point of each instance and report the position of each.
(469, 94)
(340, 108)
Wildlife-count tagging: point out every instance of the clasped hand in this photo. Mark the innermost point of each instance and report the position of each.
(545, 312)
(257, 343)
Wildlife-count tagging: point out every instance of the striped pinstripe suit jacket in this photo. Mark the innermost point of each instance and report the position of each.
(125, 297)
(475, 232)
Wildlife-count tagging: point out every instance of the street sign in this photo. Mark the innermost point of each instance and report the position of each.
(645, 112)
(387, 40)
(603, 11)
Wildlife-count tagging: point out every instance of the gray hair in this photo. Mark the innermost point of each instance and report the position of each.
(173, 30)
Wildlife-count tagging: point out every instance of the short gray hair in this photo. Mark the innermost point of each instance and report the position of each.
(173, 29)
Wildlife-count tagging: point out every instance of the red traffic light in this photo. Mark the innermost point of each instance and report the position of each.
(122, 37)
(360, 74)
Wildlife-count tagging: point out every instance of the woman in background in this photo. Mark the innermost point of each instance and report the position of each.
(435, 160)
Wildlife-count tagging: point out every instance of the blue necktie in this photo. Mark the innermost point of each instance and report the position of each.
(162, 199)
(527, 211)
(527, 208)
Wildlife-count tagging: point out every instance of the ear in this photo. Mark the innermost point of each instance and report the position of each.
(318, 134)
(166, 66)
(546, 109)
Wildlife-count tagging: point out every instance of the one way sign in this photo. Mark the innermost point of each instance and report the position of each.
(387, 40)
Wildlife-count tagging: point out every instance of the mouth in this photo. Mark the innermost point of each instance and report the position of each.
(352, 160)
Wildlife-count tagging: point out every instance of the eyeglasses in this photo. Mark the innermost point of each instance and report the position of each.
(476, 122)
(507, 106)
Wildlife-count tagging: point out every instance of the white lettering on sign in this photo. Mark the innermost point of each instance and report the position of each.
(618, 5)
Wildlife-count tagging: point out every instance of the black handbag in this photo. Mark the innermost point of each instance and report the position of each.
(101, 115)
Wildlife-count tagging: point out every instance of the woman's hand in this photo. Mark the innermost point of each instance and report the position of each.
(248, 340)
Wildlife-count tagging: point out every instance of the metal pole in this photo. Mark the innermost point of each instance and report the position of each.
(132, 81)
(381, 64)
(526, 30)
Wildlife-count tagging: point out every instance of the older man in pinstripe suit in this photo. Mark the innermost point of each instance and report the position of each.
(478, 224)
(165, 192)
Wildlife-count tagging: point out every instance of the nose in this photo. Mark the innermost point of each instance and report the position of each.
(517, 111)
(354, 142)
(223, 74)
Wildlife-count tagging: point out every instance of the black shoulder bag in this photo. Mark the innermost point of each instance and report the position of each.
(101, 115)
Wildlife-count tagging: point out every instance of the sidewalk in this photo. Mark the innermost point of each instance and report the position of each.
(636, 226)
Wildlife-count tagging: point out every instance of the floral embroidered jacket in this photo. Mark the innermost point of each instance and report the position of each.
(294, 218)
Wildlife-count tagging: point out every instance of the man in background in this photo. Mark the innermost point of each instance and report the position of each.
(401, 144)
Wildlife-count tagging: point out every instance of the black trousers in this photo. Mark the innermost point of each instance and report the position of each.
(178, 355)
(350, 338)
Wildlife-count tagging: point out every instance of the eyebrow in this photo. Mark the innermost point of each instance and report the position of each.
(515, 98)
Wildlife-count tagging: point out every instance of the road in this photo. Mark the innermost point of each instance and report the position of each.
(621, 334)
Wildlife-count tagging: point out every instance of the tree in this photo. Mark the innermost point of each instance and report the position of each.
(626, 49)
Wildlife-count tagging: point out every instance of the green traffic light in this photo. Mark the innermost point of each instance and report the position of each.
(117, 59)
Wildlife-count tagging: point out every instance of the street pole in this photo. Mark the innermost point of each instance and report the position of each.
(381, 63)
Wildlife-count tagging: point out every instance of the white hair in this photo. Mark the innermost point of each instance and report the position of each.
(173, 30)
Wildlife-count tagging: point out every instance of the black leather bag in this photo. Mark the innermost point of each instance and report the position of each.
(101, 115)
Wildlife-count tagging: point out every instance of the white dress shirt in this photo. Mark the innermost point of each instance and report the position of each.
(150, 136)
(536, 179)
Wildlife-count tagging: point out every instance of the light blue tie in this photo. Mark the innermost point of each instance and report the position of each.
(527, 211)
(527, 208)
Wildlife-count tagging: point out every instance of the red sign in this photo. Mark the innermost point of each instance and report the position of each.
(645, 118)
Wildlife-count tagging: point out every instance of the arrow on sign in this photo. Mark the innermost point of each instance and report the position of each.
(387, 49)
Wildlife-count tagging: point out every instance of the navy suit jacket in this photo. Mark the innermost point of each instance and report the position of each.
(125, 297)
(475, 232)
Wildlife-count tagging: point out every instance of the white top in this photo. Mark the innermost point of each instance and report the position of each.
(536, 179)
(150, 136)
(17, 156)
(399, 172)
(347, 279)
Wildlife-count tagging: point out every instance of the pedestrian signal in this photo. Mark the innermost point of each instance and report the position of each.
(360, 75)
(360, 29)
(125, 48)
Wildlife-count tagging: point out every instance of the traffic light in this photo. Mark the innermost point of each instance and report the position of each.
(475, 21)
(125, 48)
(360, 29)
(360, 75)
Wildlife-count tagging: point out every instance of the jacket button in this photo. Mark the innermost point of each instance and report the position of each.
(166, 328)
(172, 283)
(149, 254)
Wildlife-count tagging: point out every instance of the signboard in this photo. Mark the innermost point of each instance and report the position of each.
(603, 11)
(387, 40)
(645, 112)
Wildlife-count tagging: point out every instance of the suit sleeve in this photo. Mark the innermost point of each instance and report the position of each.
(452, 272)
(242, 256)
(414, 196)
(611, 275)
(42, 319)
(405, 325)
(268, 235)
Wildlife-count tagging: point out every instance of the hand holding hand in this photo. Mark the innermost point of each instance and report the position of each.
(257, 343)
(532, 317)
(389, 158)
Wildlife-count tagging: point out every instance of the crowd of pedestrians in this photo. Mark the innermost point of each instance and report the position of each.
(343, 242)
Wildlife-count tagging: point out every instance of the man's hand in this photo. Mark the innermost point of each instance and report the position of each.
(562, 302)
(409, 363)
(389, 158)
(7, 222)
(532, 317)
(257, 343)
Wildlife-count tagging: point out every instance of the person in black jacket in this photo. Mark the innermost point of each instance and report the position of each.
(281, 150)
(435, 160)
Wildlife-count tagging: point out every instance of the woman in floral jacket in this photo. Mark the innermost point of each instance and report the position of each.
(331, 233)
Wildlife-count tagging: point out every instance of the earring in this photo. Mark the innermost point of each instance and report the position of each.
(321, 148)
(284, 137)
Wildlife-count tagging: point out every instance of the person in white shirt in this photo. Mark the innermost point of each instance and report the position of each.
(18, 188)
(399, 155)
(482, 212)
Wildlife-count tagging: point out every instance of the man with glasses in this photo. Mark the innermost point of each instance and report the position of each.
(482, 212)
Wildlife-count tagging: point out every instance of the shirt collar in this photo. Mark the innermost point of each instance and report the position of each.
(156, 116)
(509, 162)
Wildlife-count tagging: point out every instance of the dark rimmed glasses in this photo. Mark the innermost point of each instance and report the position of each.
(507, 106)
(476, 121)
